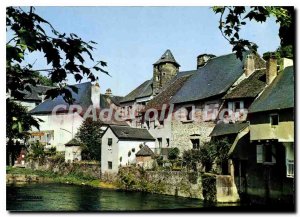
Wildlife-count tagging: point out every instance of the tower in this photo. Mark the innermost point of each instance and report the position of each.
(164, 70)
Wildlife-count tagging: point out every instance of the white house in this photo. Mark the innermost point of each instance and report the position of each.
(120, 144)
(57, 128)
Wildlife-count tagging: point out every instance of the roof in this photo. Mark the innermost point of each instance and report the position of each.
(167, 57)
(225, 129)
(73, 142)
(116, 99)
(143, 90)
(215, 78)
(129, 133)
(165, 96)
(145, 151)
(250, 87)
(278, 95)
(36, 92)
(82, 98)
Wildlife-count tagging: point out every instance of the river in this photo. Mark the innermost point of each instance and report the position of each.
(64, 197)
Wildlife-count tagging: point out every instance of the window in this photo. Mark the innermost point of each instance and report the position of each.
(159, 142)
(265, 153)
(168, 142)
(189, 113)
(259, 154)
(161, 123)
(290, 169)
(109, 143)
(274, 119)
(109, 165)
(196, 143)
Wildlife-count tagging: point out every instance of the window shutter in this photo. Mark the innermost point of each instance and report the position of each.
(259, 154)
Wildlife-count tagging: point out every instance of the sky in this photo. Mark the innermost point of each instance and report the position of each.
(131, 39)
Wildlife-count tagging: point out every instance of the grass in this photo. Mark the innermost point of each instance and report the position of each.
(71, 178)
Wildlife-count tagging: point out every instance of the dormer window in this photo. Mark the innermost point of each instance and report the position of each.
(274, 119)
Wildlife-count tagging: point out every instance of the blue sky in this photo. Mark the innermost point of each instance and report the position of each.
(131, 39)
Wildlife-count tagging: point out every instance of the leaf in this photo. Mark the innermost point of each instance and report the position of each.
(103, 63)
(78, 77)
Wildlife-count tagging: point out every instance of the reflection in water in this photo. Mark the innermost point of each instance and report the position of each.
(61, 197)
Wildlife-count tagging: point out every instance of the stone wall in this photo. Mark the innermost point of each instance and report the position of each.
(207, 187)
(198, 128)
(177, 183)
(86, 169)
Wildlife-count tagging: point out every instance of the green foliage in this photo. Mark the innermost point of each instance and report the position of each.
(173, 153)
(18, 121)
(213, 151)
(90, 134)
(36, 151)
(191, 158)
(65, 55)
(209, 190)
(233, 18)
(281, 52)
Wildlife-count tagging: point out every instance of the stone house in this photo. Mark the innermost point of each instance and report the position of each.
(164, 70)
(270, 163)
(58, 129)
(119, 145)
(201, 97)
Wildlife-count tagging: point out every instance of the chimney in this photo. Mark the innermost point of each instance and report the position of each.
(249, 65)
(108, 92)
(203, 58)
(95, 95)
(271, 69)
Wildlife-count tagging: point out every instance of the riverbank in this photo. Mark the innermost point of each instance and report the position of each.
(24, 175)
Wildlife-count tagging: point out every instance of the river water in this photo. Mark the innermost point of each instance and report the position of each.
(63, 197)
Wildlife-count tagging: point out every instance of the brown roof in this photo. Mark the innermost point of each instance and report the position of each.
(165, 96)
(145, 151)
(250, 87)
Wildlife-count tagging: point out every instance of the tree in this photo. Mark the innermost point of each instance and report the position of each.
(65, 55)
(90, 134)
(173, 153)
(232, 19)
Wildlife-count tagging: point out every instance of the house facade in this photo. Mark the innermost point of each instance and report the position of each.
(271, 156)
(60, 121)
(120, 144)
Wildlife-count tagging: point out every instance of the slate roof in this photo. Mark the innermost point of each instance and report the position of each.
(143, 90)
(129, 133)
(250, 87)
(166, 95)
(82, 98)
(167, 57)
(278, 95)
(215, 78)
(145, 151)
(225, 129)
(36, 92)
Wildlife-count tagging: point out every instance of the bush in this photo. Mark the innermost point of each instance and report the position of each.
(36, 151)
(173, 153)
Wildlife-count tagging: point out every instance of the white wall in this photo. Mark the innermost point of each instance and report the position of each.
(65, 126)
(72, 153)
(119, 149)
